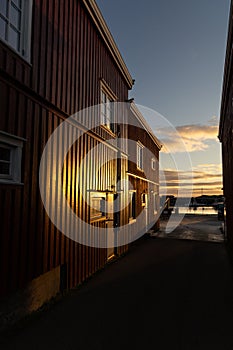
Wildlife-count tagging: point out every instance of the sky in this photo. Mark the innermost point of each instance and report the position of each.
(175, 51)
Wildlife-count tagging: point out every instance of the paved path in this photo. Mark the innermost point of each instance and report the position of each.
(195, 227)
(164, 294)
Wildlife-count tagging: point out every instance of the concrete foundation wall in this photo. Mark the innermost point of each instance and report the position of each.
(37, 292)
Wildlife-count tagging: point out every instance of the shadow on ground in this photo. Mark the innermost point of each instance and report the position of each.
(164, 294)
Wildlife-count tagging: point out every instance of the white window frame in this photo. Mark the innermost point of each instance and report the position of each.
(107, 113)
(24, 30)
(15, 145)
(97, 205)
(140, 155)
(153, 164)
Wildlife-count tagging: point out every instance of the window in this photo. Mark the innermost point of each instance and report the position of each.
(10, 158)
(139, 156)
(106, 111)
(97, 205)
(5, 161)
(132, 205)
(153, 164)
(15, 25)
(156, 201)
(144, 199)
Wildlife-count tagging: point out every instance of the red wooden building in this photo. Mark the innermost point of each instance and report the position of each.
(57, 58)
(225, 132)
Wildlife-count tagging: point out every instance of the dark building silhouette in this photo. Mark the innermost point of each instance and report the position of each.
(226, 129)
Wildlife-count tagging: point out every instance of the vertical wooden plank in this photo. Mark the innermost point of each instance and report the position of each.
(24, 238)
(76, 57)
(57, 234)
(41, 71)
(74, 206)
(12, 111)
(73, 56)
(5, 240)
(40, 208)
(2, 58)
(51, 252)
(88, 66)
(46, 132)
(69, 202)
(4, 105)
(69, 57)
(19, 70)
(81, 59)
(49, 83)
(55, 51)
(63, 85)
(33, 178)
(58, 86)
(36, 44)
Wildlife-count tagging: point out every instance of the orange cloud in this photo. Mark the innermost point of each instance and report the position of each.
(206, 178)
(190, 138)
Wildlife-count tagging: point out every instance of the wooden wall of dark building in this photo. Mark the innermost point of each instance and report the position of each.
(30, 244)
(137, 133)
(68, 60)
(227, 149)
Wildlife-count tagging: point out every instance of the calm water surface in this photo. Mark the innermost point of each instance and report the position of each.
(198, 211)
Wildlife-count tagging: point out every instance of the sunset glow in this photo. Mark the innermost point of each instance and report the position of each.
(201, 143)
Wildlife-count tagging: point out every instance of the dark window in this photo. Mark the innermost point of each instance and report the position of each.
(10, 158)
(5, 161)
(132, 205)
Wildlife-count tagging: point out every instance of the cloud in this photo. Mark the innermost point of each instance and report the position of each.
(214, 120)
(206, 178)
(212, 169)
(188, 138)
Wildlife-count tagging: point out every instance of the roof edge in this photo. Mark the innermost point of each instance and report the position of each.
(141, 119)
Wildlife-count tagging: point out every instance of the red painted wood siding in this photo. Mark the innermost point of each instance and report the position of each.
(68, 60)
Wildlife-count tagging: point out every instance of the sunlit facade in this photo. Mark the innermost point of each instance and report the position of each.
(73, 64)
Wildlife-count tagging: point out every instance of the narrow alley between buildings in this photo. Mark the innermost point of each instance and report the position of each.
(164, 294)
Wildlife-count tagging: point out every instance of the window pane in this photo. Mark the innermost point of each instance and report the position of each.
(13, 38)
(97, 206)
(4, 168)
(5, 154)
(15, 17)
(2, 28)
(102, 97)
(139, 156)
(3, 7)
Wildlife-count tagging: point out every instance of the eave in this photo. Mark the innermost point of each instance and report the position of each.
(145, 125)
